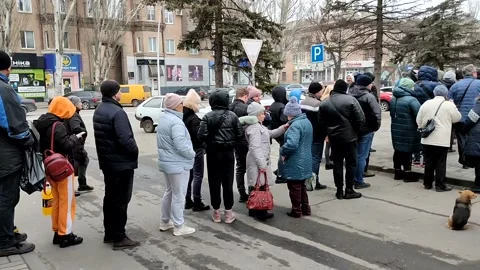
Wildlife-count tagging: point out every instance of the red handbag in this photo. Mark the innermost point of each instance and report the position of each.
(57, 166)
(260, 199)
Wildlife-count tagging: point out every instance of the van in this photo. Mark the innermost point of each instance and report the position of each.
(134, 94)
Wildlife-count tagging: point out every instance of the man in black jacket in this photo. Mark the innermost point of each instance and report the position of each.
(342, 116)
(15, 137)
(239, 107)
(373, 118)
(118, 158)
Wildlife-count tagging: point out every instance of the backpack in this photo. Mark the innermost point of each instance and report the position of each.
(57, 166)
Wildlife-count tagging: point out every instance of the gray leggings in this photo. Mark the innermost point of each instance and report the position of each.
(327, 153)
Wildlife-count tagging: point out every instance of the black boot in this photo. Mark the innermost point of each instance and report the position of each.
(410, 177)
(188, 203)
(399, 174)
(199, 206)
(351, 194)
(339, 193)
(319, 186)
(70, 240)
(243, 196)
(57, 239)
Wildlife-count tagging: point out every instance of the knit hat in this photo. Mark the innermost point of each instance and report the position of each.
(255, 109)
(340, 86)
(363, 80)
(440, 90)
(297, 94)
(5, 61)
(292, 108)
(192, 100)
(369, 74)
(315, 87)
(172, 101)
(109, 88)
(406, 83)
(253, 92)
(450, 75)
(75, 100)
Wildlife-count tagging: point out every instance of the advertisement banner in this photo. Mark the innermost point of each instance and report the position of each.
(29, 83)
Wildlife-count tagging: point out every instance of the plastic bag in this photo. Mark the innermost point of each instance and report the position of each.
(33, 177)
(311, 182)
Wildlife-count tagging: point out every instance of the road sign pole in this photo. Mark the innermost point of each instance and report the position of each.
(253, 76)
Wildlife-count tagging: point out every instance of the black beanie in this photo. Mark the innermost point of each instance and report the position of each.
(109, 88)
(363, 80)
(315, 87)
(340, 86)
(369, 74)
(5, 61)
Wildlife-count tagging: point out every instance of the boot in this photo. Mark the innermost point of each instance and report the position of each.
(399, 174)
(188, 204)
(243, 196)
(70, 240)
(339, 194)
(410, 177)
(351, 194)
(125, 243)
(20, 237)
(56, 239)
(319, 186)
(199, 206)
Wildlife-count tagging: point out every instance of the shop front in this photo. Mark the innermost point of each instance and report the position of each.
(28, 76)
(351, 67)
(72, 72)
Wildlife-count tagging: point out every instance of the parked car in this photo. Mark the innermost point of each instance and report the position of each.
(385, 98)
(28, 105)
(387, 89)
(90, 99)
(202, 91)
(134, 94)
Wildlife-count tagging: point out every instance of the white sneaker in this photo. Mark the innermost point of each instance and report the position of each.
(183, 230)
(166, 226)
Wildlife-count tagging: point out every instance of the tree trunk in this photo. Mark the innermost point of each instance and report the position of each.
(58, 50)
(377, 63)
(218, 47)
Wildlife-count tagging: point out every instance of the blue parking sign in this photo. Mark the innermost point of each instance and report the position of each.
(318, 53)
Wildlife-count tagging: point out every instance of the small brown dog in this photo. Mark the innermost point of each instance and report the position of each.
(461, 211)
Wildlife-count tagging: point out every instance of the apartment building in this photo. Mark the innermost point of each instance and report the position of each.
(34, 50)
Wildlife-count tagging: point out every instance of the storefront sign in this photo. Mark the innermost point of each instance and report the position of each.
(29, 83)
(357, 64)
(27, 60)
(149, 62)
(70, 62)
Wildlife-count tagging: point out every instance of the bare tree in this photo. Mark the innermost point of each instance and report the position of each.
(10, 26)
(473, 7)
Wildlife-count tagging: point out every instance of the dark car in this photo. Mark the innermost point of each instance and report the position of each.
(201, 91)
(90, 99)
(28, 105)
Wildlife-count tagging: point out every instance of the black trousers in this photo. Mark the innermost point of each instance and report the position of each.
(344, 152)
(118, 193)
(220, 167)
(81, 168)
(461, 139)
(435, 165)
(402, 160)
(9, 197)
(241, 168)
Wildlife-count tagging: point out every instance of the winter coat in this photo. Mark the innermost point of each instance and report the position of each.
(342, 117)
(258, 157)
(446, 116)
(427, 81)
(15, 135)
(297, 149)
(75, 126)
(230, 133)
(192, 122)
(457, 91)
(240, 109)
(175, 149)
(404, 108)
(116, 147)
(310, 107)
(64, 142)
(472, 127)
(370, 107)
(279, 95)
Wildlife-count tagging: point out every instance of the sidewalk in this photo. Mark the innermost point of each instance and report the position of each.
(29, 261)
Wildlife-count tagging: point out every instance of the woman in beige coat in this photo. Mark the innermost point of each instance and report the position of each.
(258, 157)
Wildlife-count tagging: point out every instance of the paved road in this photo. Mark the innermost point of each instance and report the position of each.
(394, 226)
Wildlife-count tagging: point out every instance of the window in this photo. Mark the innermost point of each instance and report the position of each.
(152, 44)
(170, 46)
(284, 76)
(46, 40)
(63, 6)
(89, 8)
(151, 15)
(139, 44)
(66, 44)
(24, 5)
(124, 90)
(194, 51)
(154, 103)
(27, 40)
(301, 58)
(295, 59)
(294, 76)
(140, 73)
(168, 17)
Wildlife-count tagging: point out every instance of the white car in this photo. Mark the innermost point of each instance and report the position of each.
(149, 111)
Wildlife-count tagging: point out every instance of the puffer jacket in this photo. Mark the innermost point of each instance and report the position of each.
(230, 133)
(370, 107)
(472, 127)
(458, 89)
(64, 142)
(297, 149)
(404, 108)
(310, 107)
(76, 125)
(342, 117)
(279, 94)
(258, 157)
(192, 122)
(240, 109)
(175, 149)
(427, 81)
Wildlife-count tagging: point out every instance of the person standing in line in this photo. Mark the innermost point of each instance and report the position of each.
(342, 116)
(117, 153)
(279, 94)
(328, 153)
(472, 145)
(80, 156)
(435, 146)
(449, 79)
(191, 106)
(15, 137)
(239, 107)
(221, 131)
(254, 95)
(310, 107)
(296, 154)
(175, 159)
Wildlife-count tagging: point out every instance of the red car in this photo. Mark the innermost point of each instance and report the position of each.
(385, 98)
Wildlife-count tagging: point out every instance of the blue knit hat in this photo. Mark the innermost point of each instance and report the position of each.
(296, 93)
(292, 108)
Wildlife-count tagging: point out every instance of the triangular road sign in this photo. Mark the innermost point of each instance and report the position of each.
(252, 49)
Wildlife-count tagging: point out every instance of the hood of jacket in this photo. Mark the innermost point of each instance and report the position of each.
(399, 92)
(359, 90)
(298, 117)
(248, 120)
(279, 94)
(45, 121)
(219, 100)
(426, 73)
(62, 108)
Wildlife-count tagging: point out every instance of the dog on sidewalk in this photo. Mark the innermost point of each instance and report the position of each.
(461, 211)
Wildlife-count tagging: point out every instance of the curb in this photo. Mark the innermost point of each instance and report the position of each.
(448, 180)
(33, 261)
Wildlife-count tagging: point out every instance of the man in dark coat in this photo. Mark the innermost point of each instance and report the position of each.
(15, 137)
(118, 158)
(279, 94)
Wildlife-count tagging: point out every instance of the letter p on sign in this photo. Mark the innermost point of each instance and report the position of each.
(317, 53)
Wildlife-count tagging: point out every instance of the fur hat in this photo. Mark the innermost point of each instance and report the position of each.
(5, 61)
(255, 109)
(292, 108)
(109, 88)
(192, 100)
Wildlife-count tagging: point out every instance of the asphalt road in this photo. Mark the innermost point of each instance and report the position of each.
(394, 226)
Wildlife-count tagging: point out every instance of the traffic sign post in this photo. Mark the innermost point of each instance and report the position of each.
(318, 53)
(252, 48)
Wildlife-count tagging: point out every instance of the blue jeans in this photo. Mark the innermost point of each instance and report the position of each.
(364, 145)
(317, 151)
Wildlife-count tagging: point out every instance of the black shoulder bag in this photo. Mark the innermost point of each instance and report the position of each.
(430, 126)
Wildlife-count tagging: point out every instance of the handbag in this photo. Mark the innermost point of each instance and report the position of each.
(57, 166)
(430, 126)
(260, 199)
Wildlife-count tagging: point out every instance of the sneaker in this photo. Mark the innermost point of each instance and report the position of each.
(339, 194)
(126, 243)
(183, 230)
(443, 189)
(243, 197)
(229, 216)
(319, 186)
(368, 174)
(18, 249)
(351, 194)
(361, 185)
(70, 240)
(188, 204)
(328, 166)
(216, 217)
(166, 226)
(200, 206)
(20, 237)
(85, 188)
